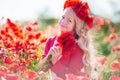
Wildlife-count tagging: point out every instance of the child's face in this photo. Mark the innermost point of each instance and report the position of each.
(67, 22)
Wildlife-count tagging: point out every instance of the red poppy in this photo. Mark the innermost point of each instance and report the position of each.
(3, 71)
(37, 36)
(99, 20)
(0, 36)
(35, 23)
(34, 56)
(89, 21)
(18, 46)
(9, 36)
(12, 25)
(30, 36)
(18, 34)
(43, 40)
(112, 29)
(29, 28)
(102, 59)
(3, 32)
(7, 44)
(116, 48)
(31, 75)
(11, 77)
(113, 36)
(7, 28)
(21, 61)
(8, 60)
(66, 40)
(107, 21)
(23, 68)
(16, 67)
(28, 61)
(115, 78)
(106, 39)
(115, 65)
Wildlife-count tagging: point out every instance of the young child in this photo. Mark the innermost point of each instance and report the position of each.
(76, 58)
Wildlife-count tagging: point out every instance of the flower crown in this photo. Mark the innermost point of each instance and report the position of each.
(81, 10)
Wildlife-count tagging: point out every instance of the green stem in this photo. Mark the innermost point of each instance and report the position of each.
(45, 64)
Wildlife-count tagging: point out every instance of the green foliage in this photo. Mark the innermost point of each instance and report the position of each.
(105, 29)
(106, 74)
(116, 26)
(117, 73)
(102, 46)
(34, 65)
(46, 21)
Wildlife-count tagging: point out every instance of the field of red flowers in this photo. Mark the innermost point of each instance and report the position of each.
(21, 49)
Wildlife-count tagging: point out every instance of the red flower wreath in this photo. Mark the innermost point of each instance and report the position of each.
(66, 40)
(81, 10)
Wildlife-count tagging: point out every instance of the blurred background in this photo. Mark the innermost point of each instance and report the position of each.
(23, 10)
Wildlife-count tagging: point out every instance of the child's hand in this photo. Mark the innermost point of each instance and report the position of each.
(56, 52)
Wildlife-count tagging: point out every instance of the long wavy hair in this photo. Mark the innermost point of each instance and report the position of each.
(83, 38)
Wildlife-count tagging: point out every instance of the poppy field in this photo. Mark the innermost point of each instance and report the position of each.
(21, 48)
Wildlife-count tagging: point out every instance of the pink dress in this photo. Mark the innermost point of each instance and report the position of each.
(70, 62)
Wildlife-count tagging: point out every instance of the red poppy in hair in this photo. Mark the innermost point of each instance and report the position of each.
(81, 9)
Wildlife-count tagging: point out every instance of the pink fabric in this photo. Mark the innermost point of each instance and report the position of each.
(70, 62)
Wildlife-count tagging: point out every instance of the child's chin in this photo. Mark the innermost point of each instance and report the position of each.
(63, 30)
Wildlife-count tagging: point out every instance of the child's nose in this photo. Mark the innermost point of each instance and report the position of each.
(63, 22)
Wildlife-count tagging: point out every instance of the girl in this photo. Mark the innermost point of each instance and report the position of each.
(77, 59)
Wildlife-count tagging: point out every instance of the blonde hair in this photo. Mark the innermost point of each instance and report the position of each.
(84, 42)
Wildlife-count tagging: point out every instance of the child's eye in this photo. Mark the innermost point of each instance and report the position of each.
(63, 17)
(69, 20)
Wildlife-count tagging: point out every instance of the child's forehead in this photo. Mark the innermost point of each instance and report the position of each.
(68, 13)
(67, 10)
